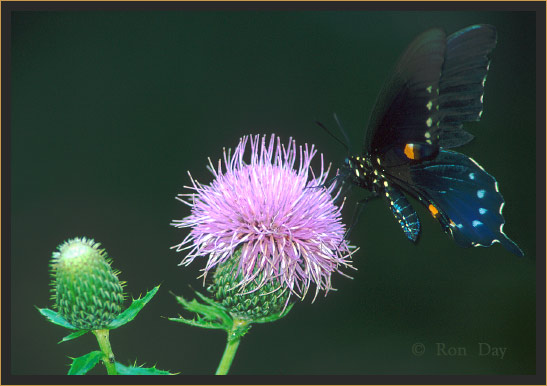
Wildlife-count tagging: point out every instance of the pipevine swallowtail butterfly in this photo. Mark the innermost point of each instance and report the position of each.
(437, 84)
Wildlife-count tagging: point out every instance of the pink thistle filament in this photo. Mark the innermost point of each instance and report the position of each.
(284, 219)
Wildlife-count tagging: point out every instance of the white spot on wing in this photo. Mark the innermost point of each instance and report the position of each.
(483, 210)
(481, 193)
(476, 223)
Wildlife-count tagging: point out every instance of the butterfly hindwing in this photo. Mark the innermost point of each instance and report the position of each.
(466, 197)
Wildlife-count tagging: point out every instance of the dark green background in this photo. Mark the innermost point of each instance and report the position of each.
(110, 109)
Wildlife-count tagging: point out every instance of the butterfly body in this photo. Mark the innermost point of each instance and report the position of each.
(368, 175)
(437, 85)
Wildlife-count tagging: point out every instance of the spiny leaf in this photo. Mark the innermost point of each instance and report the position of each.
(81, 365)
(74, 335)
(212, 312)
(207, 300)
(131, 312)
(139, 370)
(201, 323)
(56, 318)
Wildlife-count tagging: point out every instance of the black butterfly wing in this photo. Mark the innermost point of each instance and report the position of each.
(461, 87)
(406, 111)
(437, 85)
(404, 122)
(463, 197)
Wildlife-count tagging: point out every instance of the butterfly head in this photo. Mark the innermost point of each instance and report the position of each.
(361, 172)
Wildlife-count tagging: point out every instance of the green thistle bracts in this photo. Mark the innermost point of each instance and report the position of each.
(87, 292)
(254, 301)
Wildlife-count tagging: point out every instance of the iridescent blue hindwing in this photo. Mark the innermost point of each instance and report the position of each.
(467, 199)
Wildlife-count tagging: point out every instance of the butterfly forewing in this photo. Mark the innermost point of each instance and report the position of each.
(406, 110)
(461, 87)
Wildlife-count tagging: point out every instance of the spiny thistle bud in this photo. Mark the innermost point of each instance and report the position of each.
(257, 299)
(86, 290)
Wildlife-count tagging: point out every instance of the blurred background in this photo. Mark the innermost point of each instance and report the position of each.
(110, 110)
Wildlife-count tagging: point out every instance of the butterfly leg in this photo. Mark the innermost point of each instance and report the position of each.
(358, 211)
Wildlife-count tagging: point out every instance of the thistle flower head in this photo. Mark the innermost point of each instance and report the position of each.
(86, 290)
(280, 219)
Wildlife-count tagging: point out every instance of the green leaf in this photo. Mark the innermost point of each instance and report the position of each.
(56, 318)
(212, 312)
(130, 313)
(210, 315)
(83, 364)
(139, 370)
(74, 335)
(208, 300)
(200, 323)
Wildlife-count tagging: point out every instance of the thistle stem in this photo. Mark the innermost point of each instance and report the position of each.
(228, 356)
(239, 328)
(104, 344)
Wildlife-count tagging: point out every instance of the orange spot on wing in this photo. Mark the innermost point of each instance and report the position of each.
(410, 152)
(434, 211)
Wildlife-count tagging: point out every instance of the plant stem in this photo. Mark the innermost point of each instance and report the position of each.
(228, 356)
(104, 344)
(239, 328)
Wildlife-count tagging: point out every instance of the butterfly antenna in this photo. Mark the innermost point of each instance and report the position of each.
(344, 133)
(333, 136)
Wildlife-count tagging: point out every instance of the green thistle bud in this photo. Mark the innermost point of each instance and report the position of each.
(86, 290)
(253, 301)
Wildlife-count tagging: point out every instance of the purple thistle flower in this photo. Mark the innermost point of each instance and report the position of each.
(288, 228)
